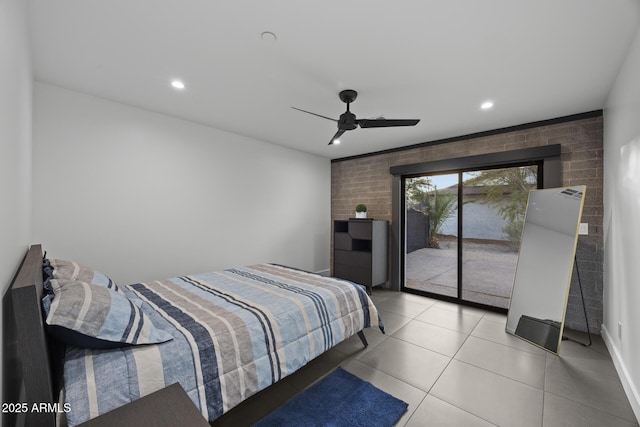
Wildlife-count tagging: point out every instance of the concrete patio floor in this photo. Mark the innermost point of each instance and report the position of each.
(488, 271)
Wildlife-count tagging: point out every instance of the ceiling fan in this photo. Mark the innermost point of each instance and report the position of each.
(348, 120)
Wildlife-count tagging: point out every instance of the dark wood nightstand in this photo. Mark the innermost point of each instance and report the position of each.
(169, 407)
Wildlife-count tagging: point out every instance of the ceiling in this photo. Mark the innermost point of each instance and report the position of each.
(432, 60)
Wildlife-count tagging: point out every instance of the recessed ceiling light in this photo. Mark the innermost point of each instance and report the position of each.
(268, 36)
(336, 141)
(177, 84)
(487, 105)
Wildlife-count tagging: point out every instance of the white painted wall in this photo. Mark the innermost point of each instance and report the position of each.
(143, 196)
(15, 140)
(622, 224)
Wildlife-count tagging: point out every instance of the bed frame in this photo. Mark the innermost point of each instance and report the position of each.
(32, 365)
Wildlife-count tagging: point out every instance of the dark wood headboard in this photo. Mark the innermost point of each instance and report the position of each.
(31, 361)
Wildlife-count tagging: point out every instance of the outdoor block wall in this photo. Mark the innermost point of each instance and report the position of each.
(367, 180)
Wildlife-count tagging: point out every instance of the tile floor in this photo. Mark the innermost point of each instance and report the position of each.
(456, 366)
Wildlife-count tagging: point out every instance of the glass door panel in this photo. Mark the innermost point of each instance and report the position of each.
(431, 224)
(493, 204)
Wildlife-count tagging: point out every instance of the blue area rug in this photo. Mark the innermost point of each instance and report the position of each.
(339, 399)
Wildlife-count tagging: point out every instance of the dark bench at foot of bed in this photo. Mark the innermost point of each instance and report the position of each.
(169, 407)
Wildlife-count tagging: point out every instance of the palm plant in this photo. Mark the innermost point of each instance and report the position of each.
(442, 206)
(424, 197)
(508, 190)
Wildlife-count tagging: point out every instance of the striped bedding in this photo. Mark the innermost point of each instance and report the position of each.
(235, 332)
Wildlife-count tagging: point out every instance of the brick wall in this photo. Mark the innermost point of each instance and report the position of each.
(367, 180)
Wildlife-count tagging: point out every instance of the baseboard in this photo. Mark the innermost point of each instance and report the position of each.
(627, 382)
(324, 272)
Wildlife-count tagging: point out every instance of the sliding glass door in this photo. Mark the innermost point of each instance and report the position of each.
(431, 261)
(462, 232)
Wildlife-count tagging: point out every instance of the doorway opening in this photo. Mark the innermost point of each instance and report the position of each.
(462, 232)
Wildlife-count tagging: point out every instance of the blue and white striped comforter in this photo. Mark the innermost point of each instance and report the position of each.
(235, 332)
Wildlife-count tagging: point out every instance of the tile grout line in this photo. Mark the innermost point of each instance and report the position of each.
(445, 368)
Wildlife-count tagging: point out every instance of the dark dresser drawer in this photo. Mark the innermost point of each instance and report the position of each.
(361, 259)
(360, 230)
(359, 275)
(342, 241)
(354, 266)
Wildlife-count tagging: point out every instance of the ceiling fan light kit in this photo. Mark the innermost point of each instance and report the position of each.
(348, 120)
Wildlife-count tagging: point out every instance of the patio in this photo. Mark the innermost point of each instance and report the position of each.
(488, 271)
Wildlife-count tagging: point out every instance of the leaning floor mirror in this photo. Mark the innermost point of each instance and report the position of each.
(545, 264)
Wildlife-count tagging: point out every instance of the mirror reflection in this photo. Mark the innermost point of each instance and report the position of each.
(545, 265)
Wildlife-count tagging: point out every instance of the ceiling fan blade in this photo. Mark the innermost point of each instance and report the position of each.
(336, 136)
(383, 123)
(309, 112)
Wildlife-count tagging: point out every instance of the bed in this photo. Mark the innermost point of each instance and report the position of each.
(223, 336)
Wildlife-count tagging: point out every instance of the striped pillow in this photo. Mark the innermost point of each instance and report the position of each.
(90, 316)
(69, 270)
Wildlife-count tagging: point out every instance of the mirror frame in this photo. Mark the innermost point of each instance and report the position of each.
(518, 283)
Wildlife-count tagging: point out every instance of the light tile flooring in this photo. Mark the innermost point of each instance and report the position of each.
(456, 366)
